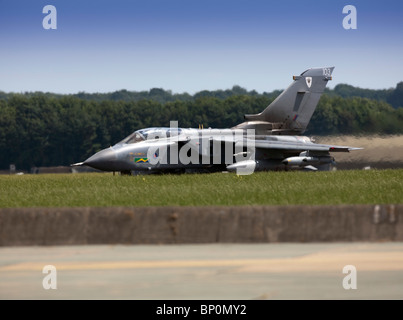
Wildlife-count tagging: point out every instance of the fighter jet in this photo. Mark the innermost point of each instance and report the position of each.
(270, 140)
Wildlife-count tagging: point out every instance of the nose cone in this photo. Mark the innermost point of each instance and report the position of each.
(103, 160)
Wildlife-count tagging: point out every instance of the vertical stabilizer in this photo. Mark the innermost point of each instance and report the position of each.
(293, 108)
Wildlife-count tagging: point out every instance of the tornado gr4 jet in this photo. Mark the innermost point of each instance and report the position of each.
(270, 140)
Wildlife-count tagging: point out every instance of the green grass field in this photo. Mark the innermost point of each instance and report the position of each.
(268, 188)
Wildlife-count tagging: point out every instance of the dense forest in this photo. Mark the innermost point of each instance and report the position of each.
(47, 129)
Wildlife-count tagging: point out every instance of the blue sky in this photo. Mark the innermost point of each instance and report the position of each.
(192, 45)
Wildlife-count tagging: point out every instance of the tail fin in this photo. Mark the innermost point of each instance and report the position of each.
(292, 110)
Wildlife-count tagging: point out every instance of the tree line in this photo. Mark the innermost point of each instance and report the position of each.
(46, 129)
(393, 96)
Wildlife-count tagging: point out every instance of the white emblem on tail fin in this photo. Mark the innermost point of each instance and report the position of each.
(308, 81)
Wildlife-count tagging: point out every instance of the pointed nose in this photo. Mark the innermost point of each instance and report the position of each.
(103, 160)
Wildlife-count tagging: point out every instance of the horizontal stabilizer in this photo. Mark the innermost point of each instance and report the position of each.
(298, 146)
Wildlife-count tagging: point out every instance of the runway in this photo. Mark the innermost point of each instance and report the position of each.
(204, 272)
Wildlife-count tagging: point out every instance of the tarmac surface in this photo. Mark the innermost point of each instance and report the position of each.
(204, 272)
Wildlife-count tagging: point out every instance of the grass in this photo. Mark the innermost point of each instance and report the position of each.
(268, 188)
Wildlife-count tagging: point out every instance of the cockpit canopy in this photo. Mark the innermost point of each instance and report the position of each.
(150, 134)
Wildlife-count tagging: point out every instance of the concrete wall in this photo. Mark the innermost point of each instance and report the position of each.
(164, 225)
